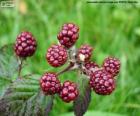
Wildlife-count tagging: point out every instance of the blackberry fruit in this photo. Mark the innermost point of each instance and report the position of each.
(90, 64)
(25, 45)
(50, 84)
(102, 82)
(68, 91)
(84, 53)
(112, 65)
(89, 67)
(56, 55)
(68, 35)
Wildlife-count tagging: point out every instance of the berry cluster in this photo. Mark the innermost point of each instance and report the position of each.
(56, 55)
(68, 35)
(84, 53)
(101, 79)
(102, 82)
(50, 83)
(68, 91)
(25, 45)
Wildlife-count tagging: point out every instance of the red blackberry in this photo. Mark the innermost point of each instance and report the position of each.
(56, 55)
(25, 45)
(68, 91)
(89, 67)
(68, 35)
(102, 82)
(90, 64)
(112, 65)
(50, 84)
(84, 52)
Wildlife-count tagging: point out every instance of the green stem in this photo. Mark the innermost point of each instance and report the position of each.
(20, 67)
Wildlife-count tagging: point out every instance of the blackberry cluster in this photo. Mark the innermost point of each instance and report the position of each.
(102, 82)
(68, 91)
(50, 83)
(89, 65)
(112, 65)
(101, 79)
(84, 52)
(68, 35)
(56, 55)
(25, 45)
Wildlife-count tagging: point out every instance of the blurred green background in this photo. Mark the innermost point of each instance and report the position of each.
(112, 29)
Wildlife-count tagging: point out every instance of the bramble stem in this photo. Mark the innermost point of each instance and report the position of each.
(66, 69)
(20, 67)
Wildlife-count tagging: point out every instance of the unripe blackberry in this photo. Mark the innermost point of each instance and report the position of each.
(56, 55)
(102, 82)
(90, 64)
(85, 52)
(69, 91)
(90, 67)
(112, 65)
(25, 45)
(50, 84)
(68, 35)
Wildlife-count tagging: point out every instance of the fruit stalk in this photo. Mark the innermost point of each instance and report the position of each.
(20, 66)
(66, 69)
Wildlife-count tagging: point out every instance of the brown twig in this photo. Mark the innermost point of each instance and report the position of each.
(66, 69)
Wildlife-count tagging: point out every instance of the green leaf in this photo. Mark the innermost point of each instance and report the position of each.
(8, 66)
(8, 61)
(26, 84)
(24, 98)
(82, 101)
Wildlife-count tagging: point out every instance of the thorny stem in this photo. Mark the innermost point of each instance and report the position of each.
(20, 67)
(66, 69)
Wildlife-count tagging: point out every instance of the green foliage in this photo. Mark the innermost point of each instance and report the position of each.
(8, 66)
(8, 61)
(111, 29)
(19, 96)
(24, 98)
